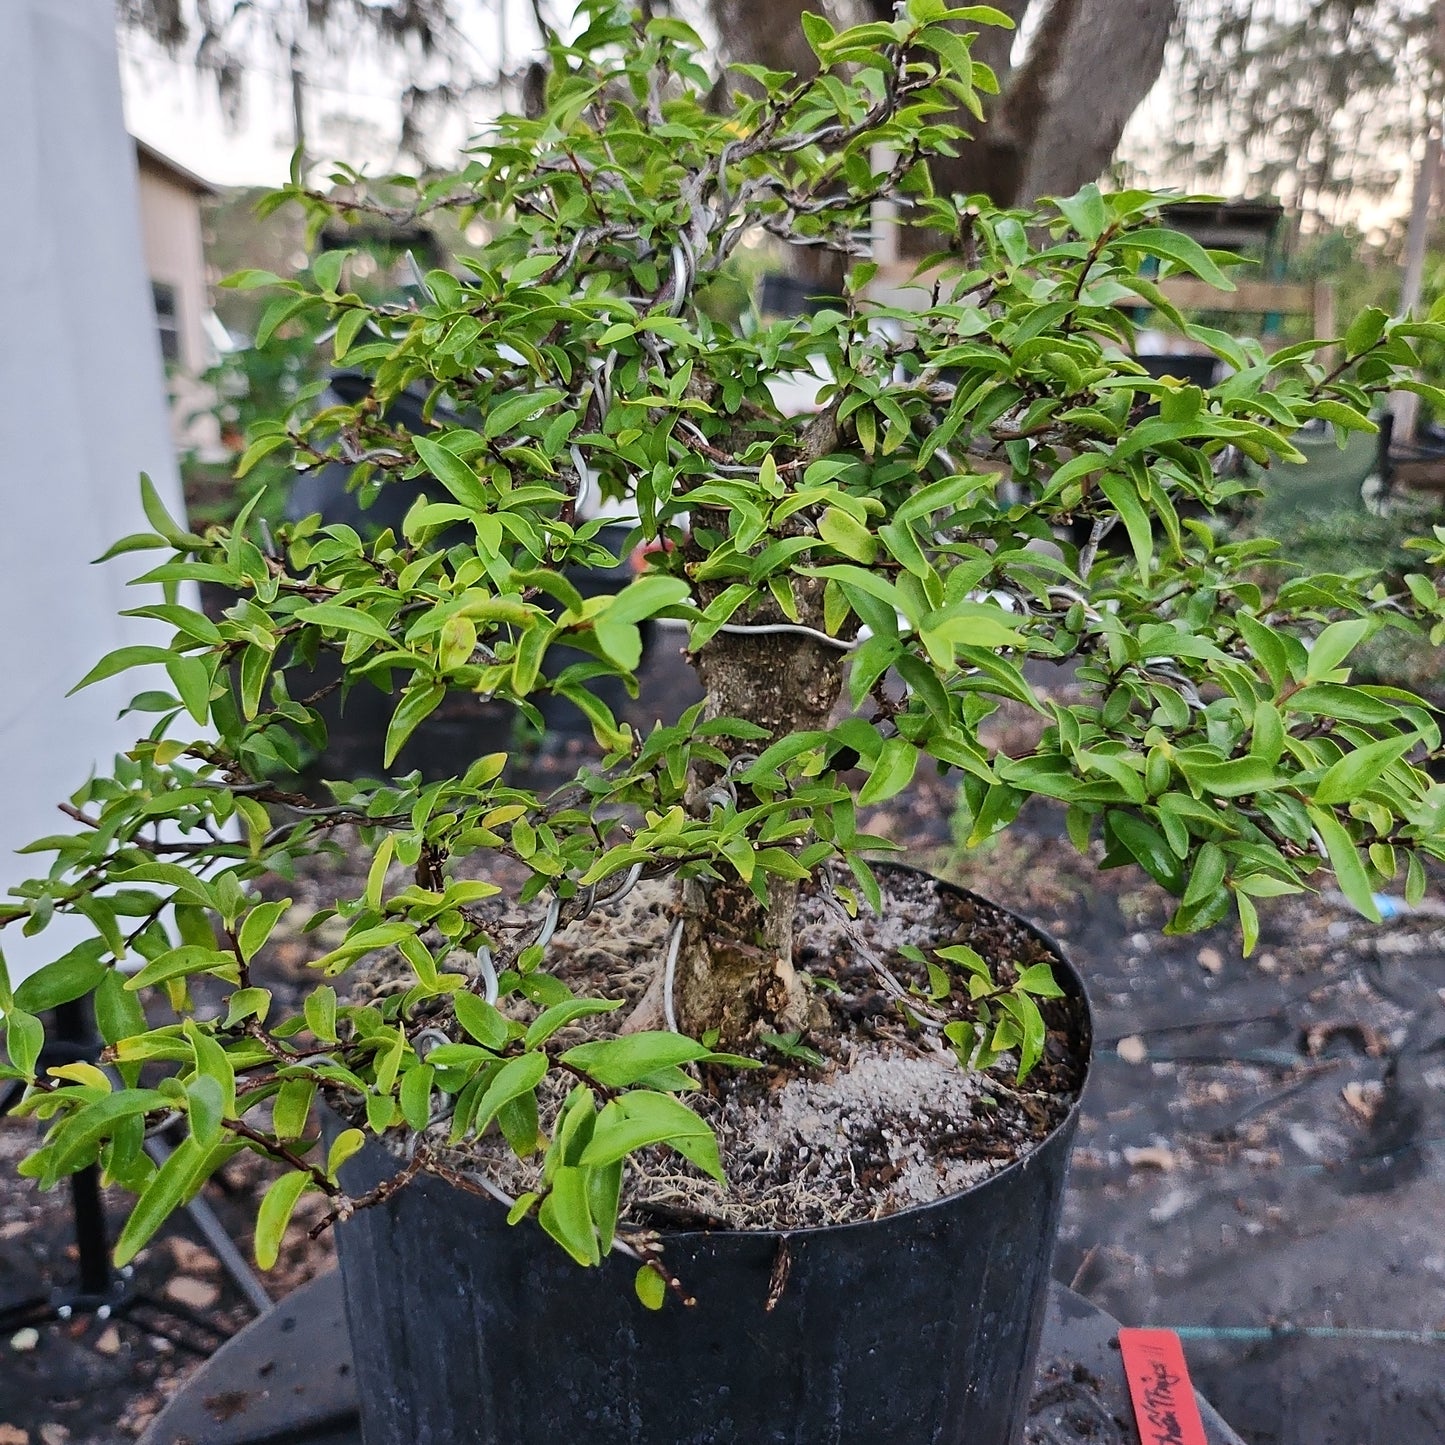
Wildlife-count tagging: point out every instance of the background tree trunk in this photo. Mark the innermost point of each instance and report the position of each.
(760, 32)
(1060, 111)
(1108, 60)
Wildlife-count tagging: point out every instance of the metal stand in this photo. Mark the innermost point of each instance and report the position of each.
(100, 1289)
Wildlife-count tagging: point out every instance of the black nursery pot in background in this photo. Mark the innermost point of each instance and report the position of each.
(917, 1329)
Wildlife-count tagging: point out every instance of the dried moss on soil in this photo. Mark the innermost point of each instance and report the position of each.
(889, 1121)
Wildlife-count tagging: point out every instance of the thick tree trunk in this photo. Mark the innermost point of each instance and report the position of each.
(993, 161)
(1108, 62)
(1060, 113)
(735, 969)
(761, 32)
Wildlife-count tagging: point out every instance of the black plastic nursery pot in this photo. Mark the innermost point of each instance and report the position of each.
(917, 1329)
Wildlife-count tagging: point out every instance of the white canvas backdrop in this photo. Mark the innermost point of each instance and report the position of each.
(82, 396)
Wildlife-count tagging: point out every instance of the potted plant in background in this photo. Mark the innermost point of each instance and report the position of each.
(884, 1070)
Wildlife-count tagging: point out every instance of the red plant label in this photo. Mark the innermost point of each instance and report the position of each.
(1159, 1385)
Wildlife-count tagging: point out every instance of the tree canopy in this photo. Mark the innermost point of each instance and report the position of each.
(1322, 103)
(421, 42)
(1066, 91)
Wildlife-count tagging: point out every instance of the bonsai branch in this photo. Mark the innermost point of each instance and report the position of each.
(344, 1206)
(1090, 550)
(277, 1150)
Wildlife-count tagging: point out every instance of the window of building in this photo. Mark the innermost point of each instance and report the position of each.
(168, 321)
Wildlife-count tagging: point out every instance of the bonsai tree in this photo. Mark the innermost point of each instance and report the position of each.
(897, 555)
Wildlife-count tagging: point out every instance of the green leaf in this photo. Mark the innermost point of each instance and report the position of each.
(259, 450)
(70, 977)
(275, 1214)
(646, 597)
(1344, 859)
(24, 1038)
(319, 1007)
(380, 1112)
(1268, 648)
(1038, 979)
(1416, 881)
(1267, 736)
(206, 1108)
(178, 962)
(519, 1123)
(1125, 498)
(1208, 874)
(1335, 644)
(213, 1063)
(1248, 923)
(619, 1063)
(1230, 779)
(452, 472)
(509, 413)
(346, 1144)
(790, 1046)
(566, 1215)
(516, 1077)
(134, 542)
(604, 1194)
(1032, 1032)
(384, 935)
(456, 644)
(83, 1132)
(170, 1187)
(481, 1020)
(158, 517)
(415, 1096)
(326, 269)
(1357, 770)
(278, 312)
(950, 47)
(649, 1284)
(845, 535)
(968, 959)
(1179, 250)
(417, 703)
(249, 278)
(971, 624)
(523, 1207)
(118, 1012)
(740, 853)
(891, 773)
(122, 659)
(1346, 418)
(1085, 212)
(344, 619)
(347, 330)
(386, 1061)
(376, 879)
(291, 1108)
(560, 1015)
(1148, 848)
(642, 1117)
(1365, 330)
(258, 926)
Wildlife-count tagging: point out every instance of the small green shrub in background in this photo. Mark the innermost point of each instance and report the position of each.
(1369, 549)
(909, 528)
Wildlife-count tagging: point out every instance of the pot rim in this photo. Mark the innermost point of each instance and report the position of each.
(1057, 1137)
